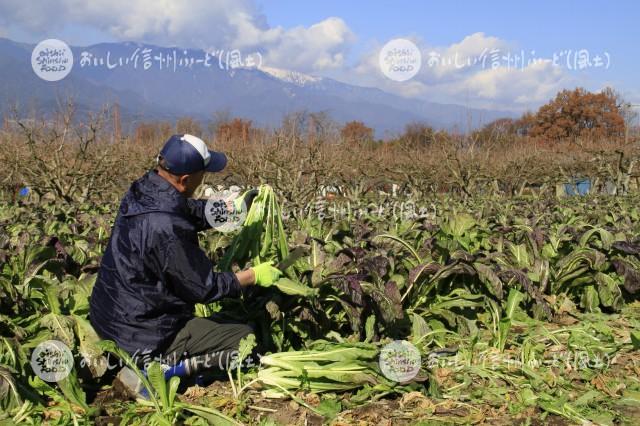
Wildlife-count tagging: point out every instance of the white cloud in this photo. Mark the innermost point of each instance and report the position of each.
(632, 96)
(321, 48)
(463, 73)
(531, 85)
(220, 24)
(457, 59)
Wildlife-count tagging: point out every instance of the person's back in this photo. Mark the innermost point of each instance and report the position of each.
(153, 270)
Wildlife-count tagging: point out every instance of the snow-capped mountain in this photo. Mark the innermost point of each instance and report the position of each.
(293, 77)
(157, 88)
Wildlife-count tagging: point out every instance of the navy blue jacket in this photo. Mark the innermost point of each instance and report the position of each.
(153, 271)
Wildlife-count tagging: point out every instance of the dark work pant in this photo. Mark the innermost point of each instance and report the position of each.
(210, 344)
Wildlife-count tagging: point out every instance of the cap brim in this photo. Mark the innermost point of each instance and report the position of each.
(217, 162)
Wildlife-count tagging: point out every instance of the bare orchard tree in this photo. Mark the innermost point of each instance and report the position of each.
(63, 158)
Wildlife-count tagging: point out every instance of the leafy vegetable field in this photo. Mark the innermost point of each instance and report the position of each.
(523, 310)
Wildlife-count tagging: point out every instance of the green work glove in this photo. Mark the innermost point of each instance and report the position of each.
(266, 274)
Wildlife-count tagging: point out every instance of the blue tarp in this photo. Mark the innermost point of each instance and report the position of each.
(578, 187)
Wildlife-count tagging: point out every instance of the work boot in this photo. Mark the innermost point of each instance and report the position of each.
(131, 384)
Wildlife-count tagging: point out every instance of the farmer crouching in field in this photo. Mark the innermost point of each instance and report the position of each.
(153, 271)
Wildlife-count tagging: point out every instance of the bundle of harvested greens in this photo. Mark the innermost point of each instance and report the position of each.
(262, 235)
(262, 238)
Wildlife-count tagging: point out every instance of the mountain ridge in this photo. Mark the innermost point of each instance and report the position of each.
(264, 95)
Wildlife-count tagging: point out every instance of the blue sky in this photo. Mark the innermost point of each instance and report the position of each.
(341, 39)
(534, 23)
(543, 26)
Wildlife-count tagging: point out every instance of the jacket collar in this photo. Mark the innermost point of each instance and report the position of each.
(152, 193)
(160, 182)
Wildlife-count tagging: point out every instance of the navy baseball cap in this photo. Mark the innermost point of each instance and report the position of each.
(187, 154)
